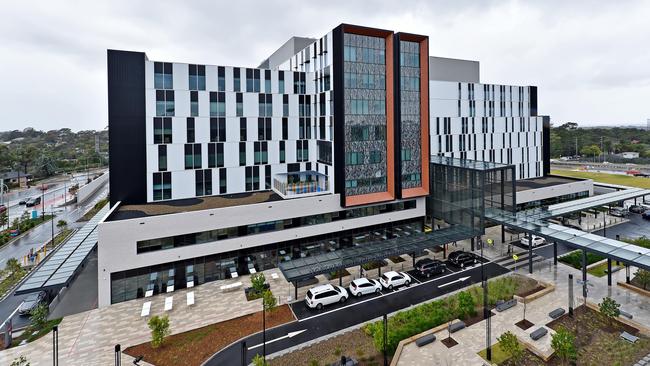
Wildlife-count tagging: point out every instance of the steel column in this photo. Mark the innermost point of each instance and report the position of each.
(555, 253)
(530, 252)
(609, 271)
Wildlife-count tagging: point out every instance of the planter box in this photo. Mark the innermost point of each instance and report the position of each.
(547, 289)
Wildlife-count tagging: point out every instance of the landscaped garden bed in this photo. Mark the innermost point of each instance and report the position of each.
(600, 270)
(194, 347)
(354, 344)
(574, 259)
(335, 275)
(397, 259)
(373, 265)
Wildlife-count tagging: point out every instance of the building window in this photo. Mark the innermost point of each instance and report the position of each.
(215, 155)
(222, 181)
(302, 150)
(267, 81)
(162, 75)
(162, 130)
(162, 186)
(304, 128)
(253, 80)
(283, 152)
(281, 82)
(406, 154)
(190, 130)
(375, 157)
(353, 158)
(264, 129)
(217, 129)
(265, 105)
(285, 129)
(239, 98)
(299, 83)
(164, 102)
(242, 154)
(252, 178)
(194, 103)
(261, 152)
(197, 77)
(217, 104)
(162, 157)
(192, 156)
(236, 79)
(221, 78)
(285, 105)
(203, 182)
(325, 152)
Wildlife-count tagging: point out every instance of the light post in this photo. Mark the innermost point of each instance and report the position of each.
(486, 311)
(264, 329)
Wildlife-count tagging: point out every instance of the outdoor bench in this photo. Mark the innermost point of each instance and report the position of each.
(424, 340)
(506, 305)
(556, 313)
(539, 333)
(456, 326)
(629, 337)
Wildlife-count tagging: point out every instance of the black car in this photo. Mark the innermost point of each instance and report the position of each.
(34, 201)
(462, 259)
(31, 302)
(636, 209)
(428, 267)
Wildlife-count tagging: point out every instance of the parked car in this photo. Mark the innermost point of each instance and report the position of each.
(320, 296)
(31, 302)
(394, 279)
(536, 240)
(428, 267)
(364, 286)
(646, 215)
(34, 201)
(462, 259)
(637, 209)
(22, 201)
(619, 212)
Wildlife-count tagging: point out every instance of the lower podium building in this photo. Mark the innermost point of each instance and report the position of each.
(327, 145)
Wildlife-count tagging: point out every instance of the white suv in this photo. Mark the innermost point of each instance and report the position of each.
(394, 279)
(322, 295)
(537, 241)
(364, 286)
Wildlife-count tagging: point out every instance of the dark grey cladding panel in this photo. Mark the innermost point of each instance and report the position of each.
(450, 69)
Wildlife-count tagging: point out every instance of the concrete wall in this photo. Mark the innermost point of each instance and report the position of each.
(117, 239)
(86, 191)
(555, 191)
(450, 69)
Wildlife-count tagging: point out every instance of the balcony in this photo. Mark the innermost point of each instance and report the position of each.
(300, 184)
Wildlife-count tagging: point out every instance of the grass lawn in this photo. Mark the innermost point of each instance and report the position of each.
(625, 180)
(98, 206)
(498, 355)
(574, 259)
(33, 334)
(11, 280)
(601, 269)
(194, 347)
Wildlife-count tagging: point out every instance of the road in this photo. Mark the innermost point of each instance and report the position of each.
(35, 239)
(635, 228)
(329, 322)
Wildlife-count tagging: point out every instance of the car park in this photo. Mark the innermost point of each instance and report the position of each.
(428, 267)
(536, 240)
(394, 279)
(462, 259)
(31, 302)
(323, 295)
(637, 209)
(363, 286)
(619, 212)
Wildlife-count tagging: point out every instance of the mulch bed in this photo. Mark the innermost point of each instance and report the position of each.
(354, 344)
(524, 324)
(192, 348)
(531, 291)
(396, 259)
(598, 340)
(449, 342)
(476, 318)
(337, 274)
(526, 285)
(374, 265)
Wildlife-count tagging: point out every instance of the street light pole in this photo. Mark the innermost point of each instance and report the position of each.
(264, 330)
(486, 311)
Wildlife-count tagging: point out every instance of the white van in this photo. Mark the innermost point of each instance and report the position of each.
(320, 296)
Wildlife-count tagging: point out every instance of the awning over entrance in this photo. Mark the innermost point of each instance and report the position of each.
(534, 222)
(60, 268)
(304, 268)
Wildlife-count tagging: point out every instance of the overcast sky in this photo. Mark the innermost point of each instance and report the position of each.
(590, 59)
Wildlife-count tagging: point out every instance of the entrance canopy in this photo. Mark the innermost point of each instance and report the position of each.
(305, 268)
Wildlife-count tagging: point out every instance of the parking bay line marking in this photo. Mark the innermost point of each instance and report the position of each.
(289, 335)
(377, 297)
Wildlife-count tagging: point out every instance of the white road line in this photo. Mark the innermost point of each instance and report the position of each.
(289, 335)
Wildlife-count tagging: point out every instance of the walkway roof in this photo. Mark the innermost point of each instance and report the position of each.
(59, 269)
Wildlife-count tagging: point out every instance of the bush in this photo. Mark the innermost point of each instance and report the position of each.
(257, 282)
(38, 316)
(574, 259)
(511, 346)
(466, 305)
(20, 361)
(159, 326)
(609, 308)
(259, 361)
(268, 300)
(564, 345)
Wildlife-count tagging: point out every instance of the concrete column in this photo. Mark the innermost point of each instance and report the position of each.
(503, 234)
(472, 243)
(570, 295)
(295, 290)
(444, 251)
(627, 274)
(530, 252)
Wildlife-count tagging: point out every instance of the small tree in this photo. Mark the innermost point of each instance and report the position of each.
(38, 316)
(20, 361)
(259, 361)
(609, 308)
(643, 277)
(268, 300)
(511, 346)
(4, 219)
(257, 281)
(466, 305)
(13, 266)
(563, 343)
(159, 326)
(62, 224)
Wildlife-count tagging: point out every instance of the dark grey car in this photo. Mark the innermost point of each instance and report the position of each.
(31, 302)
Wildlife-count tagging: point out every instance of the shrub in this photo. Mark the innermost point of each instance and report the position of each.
(259, 361)
(511, 346)
(609, 308)
(563, 343)
(61, 224)
(20, 361)
(268, 300)
(257, 282)
(574, 259)
(159, 326)
(643, 277)
(466, 305)
(38, 316)
(337, 351)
